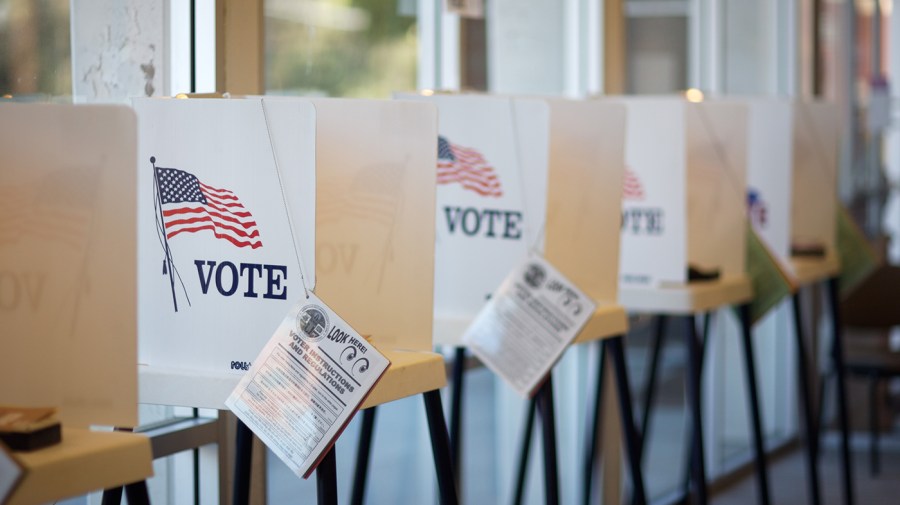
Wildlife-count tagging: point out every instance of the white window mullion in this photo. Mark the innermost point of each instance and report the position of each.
(695, 45)
(594, 47)
(572, 48)
(438, 65)
(178, 58)
(427, 33)
(450, 58)
(205, 46)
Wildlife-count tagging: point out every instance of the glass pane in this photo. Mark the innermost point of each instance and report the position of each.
(656, 55)
(351, 48)
(35, 61)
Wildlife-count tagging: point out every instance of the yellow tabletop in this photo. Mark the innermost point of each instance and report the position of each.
(689, 298)
(608, 321)
(410, 373)
(84, 461)
(805, 270)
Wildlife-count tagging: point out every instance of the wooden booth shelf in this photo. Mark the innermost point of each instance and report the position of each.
(410, 373)
(84, 461)
(691, 298)
(607, 321)
(806, 271)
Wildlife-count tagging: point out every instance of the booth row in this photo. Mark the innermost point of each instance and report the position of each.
(149, 253)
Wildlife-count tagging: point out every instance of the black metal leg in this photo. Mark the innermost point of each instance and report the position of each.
(136, 493)
(112, 496)
(874, 463)
(693, 390)
(707, 318)
(762, 471)
(548, 430)
(440, 446)
(196, 457)
(326, 479)
(459, 365)
(243, 455)
(650, 389)
(363, 449)
(196, 466)
(632, 440)
(689, 449)
(820, 414)
(838, 357)
(593, 426)
(524, 451)
(809, 415)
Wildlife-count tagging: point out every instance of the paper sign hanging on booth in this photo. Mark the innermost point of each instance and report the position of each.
(306, 384)
(528, 323)
(491, 196)
(226, 213)
(654, 207)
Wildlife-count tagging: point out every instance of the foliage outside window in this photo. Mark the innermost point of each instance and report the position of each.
(35, 49)
(350, 48)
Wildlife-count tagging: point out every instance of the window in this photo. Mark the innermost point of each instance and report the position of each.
(357, 48)
(35, 49)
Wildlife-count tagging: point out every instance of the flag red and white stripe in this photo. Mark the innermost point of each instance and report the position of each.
(189, 206)
(466, 166)
(632, 188)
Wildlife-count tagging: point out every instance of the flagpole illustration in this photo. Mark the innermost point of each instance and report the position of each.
(169, 265)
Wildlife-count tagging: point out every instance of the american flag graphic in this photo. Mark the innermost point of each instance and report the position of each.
(632, 188)
(189, 206)
(467, 167)
(756, 207)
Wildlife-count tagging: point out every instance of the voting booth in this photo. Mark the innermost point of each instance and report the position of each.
(68, 304)
(353, 219)
(346, 188)
(792, 205)
(226, 206)
(814, 260)
(683, 201)
(684, 235)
